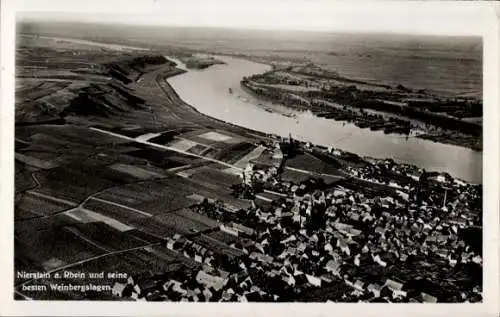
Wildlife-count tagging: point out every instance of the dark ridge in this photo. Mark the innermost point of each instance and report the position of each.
(125, 70)
(58, 121)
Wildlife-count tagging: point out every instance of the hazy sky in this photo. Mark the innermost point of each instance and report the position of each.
(445, 17)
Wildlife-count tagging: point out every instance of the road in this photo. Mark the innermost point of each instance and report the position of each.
(164, 147)
(59, 200)
(147, 214)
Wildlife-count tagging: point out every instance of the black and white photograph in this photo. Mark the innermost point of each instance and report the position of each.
(246, 155)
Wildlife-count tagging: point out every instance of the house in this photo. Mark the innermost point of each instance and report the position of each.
(242, 298)
(393, 285)
(328, 247)
(259, 247)
(156, 296)
(208, 280)
(246, 283)
(208, 260)
(143, 286)
(284, 255)
(207, 293)
(441, 178)
(333, 267)
(356, 292)
(379, 261)
(357, 259)
(134, 295)
(426, 228)
(338, 193)
(380, 230)
(301, 247)
(337, 152)
(118, 289)
(198, 258)
(403, 257)
(359, 285)
(177, 287)
(326, 279)
(289, 239)
(170, 244)
(313, 280)
(443, 253)
(301, 279)
(261, 257)
(229, 230)
(288, 279)
(254, 288)
(426, 298)
(347, 281)
(342, 244)
(223, 274)
(477, 259)
(396, 288)
(354, 216)
(243, 229)
(254, 297)
(227, 295)
(375, 289)
(194, 298)
(132, 279)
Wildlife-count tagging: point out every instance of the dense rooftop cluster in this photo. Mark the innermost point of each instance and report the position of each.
(315, 241)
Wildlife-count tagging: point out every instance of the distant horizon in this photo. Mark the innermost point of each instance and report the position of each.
(33, 20)
(379, 17)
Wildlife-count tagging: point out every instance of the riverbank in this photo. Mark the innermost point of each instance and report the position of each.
(213, 100)
(328, 95)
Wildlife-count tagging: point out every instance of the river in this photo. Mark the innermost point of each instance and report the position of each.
(208, 91)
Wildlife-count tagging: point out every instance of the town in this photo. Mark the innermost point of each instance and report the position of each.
(116, 174)
(319, 241)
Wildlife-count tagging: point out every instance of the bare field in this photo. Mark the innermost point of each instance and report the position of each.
(57, 243)
(179, 224)
(70, 184)
(38, 205)
(154, 196)
(223, 237)
(162, 158)
(104, 236)
(24, 180)
(310, 163)
(88, 216)
(135, 171)
(186, 213)
(217, 246)
(162, 224)
(214, 178)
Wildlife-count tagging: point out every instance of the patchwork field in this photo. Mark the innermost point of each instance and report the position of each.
(108, 161)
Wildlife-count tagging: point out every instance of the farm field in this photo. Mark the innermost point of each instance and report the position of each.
(94, 193)
(312, 163)
(108, 162)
